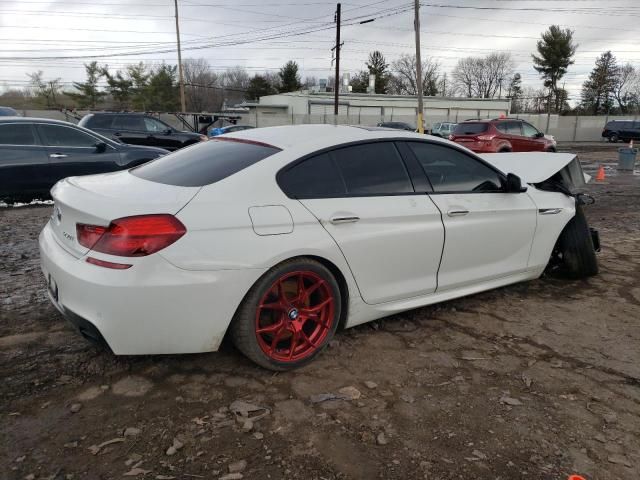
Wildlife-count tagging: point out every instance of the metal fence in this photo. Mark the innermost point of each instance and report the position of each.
(564, 129)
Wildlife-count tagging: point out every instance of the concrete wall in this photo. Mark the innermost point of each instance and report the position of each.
(579, 129)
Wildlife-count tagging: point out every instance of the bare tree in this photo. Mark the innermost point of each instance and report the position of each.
(625, 89)
(202, 90)
(403, 80)
(483, 77)
(235, 82)
(47, 90)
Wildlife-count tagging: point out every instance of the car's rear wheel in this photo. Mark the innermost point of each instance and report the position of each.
(289, 316)
(613, 138)
(574, 255)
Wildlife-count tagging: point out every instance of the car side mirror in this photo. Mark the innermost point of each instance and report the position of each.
(168, 131)
(539, 135)
(514, 184)
(101, 147)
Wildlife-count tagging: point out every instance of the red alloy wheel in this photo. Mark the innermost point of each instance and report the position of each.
(295, 316)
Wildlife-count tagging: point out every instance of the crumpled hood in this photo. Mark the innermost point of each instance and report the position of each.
(536, 167)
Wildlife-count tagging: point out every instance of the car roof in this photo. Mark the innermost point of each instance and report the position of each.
(314, 137)
(34, 120)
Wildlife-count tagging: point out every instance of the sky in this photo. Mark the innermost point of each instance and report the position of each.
(58, 37)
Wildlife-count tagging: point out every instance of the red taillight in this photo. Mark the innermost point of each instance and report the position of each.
(132, 236)
(486, 138)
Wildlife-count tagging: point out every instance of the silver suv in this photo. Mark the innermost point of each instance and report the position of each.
(443, 129)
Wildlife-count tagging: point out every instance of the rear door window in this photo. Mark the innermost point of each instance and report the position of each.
(129, 122)
(470, 128)
(372, 169)
(204, 163)
(17, 134)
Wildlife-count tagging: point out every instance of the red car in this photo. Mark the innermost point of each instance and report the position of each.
(502, 135)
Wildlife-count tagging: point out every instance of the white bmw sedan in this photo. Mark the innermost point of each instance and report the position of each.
(277, 236)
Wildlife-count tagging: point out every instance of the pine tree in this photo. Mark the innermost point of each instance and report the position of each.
(555, 54)
(598, 90)
(259, 86)
(515, 92)
(89, 95)
(289, 77)
(378, 66)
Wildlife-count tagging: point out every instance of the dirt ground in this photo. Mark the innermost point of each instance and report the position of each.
(537, 380)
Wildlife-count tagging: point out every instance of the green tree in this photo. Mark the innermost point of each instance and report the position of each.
(555, 53)
(360, 82)
(139, 76)
(119, 87)
(161, 91)
(598, 90)
(379, 67)
(259, 86)
(89, 94)
(289, 77)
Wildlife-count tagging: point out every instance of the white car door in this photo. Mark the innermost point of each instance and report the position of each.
(391, 236)
(488, 232)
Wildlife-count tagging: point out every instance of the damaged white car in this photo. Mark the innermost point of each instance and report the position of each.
(277, 236)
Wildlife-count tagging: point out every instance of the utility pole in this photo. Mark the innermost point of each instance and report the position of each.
(416, 26)
(181, 75)
(336, 83)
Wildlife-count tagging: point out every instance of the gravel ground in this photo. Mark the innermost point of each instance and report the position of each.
(536, 380)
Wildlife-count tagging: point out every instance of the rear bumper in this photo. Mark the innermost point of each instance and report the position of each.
(151, 308)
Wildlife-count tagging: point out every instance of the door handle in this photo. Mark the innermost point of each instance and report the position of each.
(58, 155)
(549, 211)
(457, 213)
(339, 220)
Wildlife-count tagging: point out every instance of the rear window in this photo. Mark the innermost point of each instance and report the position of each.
(17, 134)
(470, 128)
(99, 121)
(204, 163)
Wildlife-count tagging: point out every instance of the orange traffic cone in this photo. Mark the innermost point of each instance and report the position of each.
(576, 477)
(600, 176)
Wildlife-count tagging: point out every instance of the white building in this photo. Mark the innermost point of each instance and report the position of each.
(367, 109)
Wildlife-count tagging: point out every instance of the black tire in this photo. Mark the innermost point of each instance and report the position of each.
(575, 250)
(551, 150)
(504, 150)
(613, 138)
(243, 326)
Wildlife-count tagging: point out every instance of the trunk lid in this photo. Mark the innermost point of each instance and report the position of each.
(99, 199)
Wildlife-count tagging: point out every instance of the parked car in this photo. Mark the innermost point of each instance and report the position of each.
(35, 153)
(139, 129)
(214, 132)
(443, 129)
(624, 130)
(276, 236)
(397, 126)
(8, 112)
(501, 135)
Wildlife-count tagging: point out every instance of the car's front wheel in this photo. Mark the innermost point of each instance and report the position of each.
(574, 255)
(289, 316)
